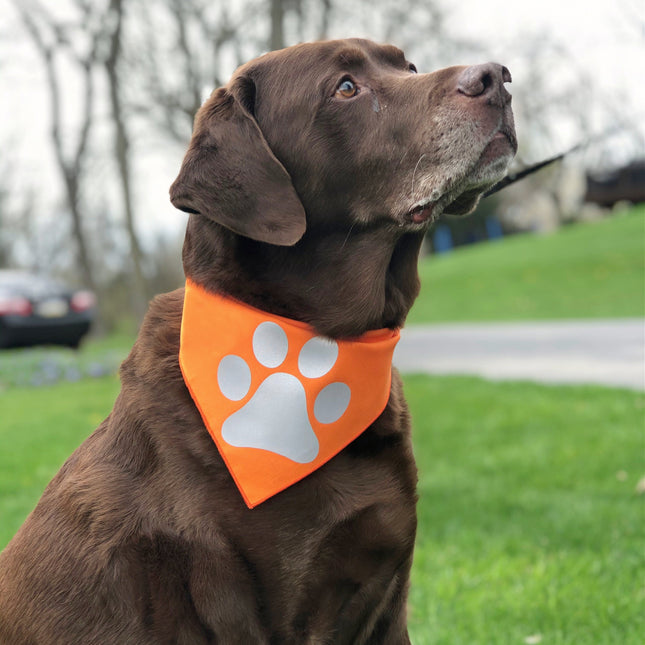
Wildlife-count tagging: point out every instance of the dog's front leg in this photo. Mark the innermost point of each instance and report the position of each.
(391, 625)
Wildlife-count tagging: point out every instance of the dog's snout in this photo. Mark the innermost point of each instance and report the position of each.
(486, 80)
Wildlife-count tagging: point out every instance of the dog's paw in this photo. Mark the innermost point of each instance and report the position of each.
(276, 417)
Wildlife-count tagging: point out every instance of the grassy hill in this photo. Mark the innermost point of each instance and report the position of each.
(591, 270)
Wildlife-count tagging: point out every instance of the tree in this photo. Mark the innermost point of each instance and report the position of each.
(52, 40)
(91, 38)
(122, 149)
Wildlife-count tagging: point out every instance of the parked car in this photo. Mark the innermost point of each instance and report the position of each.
(35, 310)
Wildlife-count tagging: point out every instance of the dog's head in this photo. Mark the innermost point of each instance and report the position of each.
(343, 134)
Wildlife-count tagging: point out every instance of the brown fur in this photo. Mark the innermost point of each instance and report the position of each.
(308, 205)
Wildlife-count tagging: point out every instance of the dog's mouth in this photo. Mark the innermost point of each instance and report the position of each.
(424, 213)
(498, 153)
(454, 203)
(467, 200)
(462, 196)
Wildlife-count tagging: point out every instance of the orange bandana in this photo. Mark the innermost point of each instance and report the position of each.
(278, 400)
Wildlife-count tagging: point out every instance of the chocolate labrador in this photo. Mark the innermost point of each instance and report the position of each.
(310, 179)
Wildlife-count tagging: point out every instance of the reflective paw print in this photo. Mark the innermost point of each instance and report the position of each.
(276, 417)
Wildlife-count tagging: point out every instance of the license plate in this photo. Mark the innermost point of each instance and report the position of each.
(53, 308)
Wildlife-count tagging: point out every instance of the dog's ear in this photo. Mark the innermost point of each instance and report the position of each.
(230, 175)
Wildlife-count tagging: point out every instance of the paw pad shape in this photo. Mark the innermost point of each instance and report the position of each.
(276, 417)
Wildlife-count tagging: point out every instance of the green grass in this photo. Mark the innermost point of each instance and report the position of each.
(39, 429)
(529, 523)
(590, 270)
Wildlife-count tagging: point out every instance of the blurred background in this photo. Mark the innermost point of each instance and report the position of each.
(97, 99)
(531, 518)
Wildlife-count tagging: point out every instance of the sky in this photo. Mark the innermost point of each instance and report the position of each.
(604, 40)
(601, 35)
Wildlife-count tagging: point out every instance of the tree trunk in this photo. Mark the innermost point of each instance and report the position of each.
(277, 25)
(121, 152)
(73, 202)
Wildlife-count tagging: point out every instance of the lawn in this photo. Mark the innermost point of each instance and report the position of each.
(529, 523)
(39, 429)
(591, 270)
(529, 520)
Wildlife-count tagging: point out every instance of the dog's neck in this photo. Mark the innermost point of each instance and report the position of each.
(341, 283)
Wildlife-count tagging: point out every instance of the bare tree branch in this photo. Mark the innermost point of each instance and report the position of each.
(70, 168)
(180, 12)
(175, 66)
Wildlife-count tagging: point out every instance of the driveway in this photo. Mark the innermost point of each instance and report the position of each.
(604, 352)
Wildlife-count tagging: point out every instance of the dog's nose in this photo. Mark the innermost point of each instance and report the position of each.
(486, 80)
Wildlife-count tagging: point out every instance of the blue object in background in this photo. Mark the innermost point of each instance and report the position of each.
(442, 239)
(493, 228)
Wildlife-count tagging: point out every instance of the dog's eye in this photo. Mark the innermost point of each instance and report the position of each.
(347, 89)
(413, 68)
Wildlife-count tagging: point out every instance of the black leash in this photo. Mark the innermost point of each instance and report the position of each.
(516, 176)
(520, 174)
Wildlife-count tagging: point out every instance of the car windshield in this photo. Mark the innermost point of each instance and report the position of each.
(19, 282)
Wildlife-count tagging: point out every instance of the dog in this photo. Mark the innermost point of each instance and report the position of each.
(310, 180)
